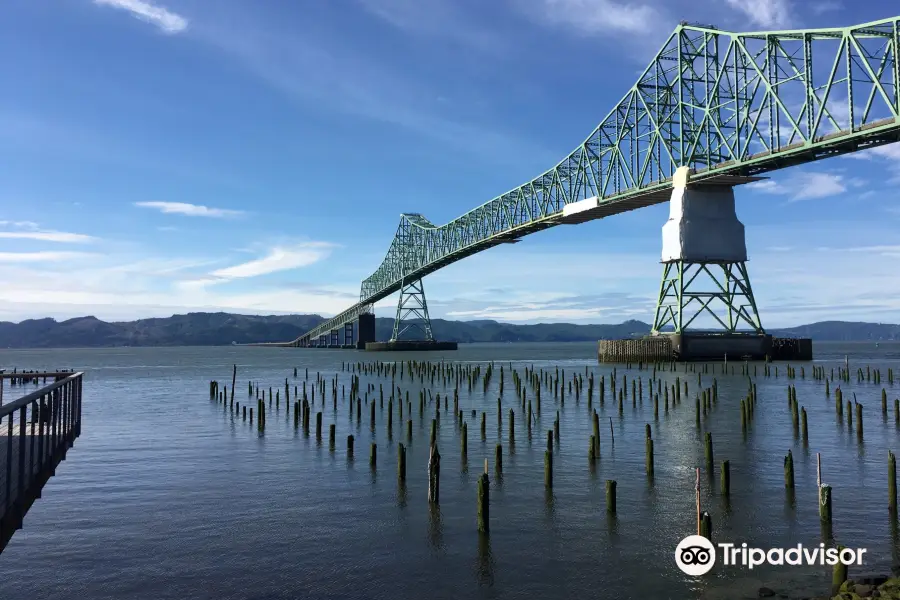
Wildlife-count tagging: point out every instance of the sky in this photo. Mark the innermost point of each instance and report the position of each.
(254, 156)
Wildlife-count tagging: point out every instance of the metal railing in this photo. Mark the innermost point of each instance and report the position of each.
(35, 432)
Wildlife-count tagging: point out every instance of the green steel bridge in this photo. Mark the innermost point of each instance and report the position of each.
(730, 106)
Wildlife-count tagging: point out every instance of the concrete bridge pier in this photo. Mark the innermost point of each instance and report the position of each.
(366, 330)
(412, 324)
(706, 309)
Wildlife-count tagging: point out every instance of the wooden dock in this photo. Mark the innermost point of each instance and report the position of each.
(35, 432)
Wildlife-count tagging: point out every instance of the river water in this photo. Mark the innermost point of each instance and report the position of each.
(166, 495)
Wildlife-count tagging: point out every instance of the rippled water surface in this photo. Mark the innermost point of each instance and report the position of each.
(166, 495)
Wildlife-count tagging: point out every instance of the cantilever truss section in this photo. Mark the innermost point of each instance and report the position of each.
(716, 101)
(722, 103)
(719, 291)
(412, 312)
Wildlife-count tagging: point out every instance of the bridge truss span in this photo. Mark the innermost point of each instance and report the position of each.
(731, 106)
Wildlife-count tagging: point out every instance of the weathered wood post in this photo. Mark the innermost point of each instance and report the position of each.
(706, 525)
(803, 426)
(434, 476)
(709, 453)
(319, 425)
(726, 478)
(838, 573)
(331, 436)
(484, 504)
(611, 496)
(859, 420)
(349, 446)
(498, 459)
(401, 463)
(892, 483)
(548, 469)
(789, 470)
(233, 380)
(373, 454)
(464, 435)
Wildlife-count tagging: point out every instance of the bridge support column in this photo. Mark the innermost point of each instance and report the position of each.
(348, 334)
(706, 304)
(365, 330)
(412, 311)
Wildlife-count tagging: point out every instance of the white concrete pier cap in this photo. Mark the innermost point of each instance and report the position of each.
(703, 224)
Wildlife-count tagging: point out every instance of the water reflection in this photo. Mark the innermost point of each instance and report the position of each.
(485, 564)
(435, 527)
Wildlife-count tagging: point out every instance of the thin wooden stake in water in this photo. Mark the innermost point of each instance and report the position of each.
(612, 436)
(233, 379)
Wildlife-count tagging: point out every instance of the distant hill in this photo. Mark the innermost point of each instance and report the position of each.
(216, 329)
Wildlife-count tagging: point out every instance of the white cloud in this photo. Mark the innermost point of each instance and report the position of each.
(191, 210)
(804, 186)
(278, 259)
(47, 236)
(825, 6)
(771, 14)
(596, 16)
(19, 224)
(327, 73)
(164, 19)
(36, 257)
(435, 19)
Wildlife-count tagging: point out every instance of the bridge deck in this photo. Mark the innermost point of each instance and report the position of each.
(31, 447)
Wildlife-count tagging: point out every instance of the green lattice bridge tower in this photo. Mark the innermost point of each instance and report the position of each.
(727, 107)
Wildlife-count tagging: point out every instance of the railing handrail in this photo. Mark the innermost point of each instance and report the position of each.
(37, 394)
(36, 375)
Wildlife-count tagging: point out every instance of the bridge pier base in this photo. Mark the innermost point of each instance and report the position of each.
(365, 325)
(705, 306)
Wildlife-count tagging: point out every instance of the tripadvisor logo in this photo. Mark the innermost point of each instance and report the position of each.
(695, 555)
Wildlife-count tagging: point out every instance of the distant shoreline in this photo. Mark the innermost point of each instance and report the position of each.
(226, 329)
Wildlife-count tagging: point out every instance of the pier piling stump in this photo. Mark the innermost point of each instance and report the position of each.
(484, 504)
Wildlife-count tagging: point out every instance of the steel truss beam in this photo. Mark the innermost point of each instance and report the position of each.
(683, 298)
(720, 102)
(412, 312)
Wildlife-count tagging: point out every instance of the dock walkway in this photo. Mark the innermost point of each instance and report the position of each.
(35, 432)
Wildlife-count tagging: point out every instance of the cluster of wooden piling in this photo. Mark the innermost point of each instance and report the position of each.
(655, 349)
(537, 392)
(26, 377)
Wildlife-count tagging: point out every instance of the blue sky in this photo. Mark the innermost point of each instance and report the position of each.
(254, 156)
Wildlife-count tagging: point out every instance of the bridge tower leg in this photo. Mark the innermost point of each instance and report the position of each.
(348, 334)
(365, 330)
(412, 305)
(705, 299)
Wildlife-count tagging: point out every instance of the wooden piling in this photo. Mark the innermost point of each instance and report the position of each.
(548, 469)
(401, 463)
(611, 496)
(838, 573)
(434, 476)
(892, 483)
(789, 470)
(484, 503)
